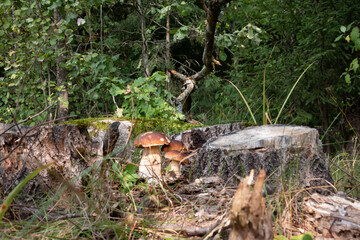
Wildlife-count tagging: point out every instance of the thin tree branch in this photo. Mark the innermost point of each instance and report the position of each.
(27, 119)
(213, 11)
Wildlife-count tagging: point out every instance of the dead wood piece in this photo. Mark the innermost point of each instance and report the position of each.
(336, 215)
(191, 230)
(248, 215)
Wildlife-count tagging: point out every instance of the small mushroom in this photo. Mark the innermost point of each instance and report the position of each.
(176, 157)
(150, 163)
(174, 145)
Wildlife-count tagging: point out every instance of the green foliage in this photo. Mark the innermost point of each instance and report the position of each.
(126, 175)
(147, 97)
(307, 236)
(351, 72)
(293, 35)
(103, 56)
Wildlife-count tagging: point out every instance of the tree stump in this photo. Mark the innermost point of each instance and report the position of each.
(289, 154)
(69, 146)
(197, 137)
(66, 145)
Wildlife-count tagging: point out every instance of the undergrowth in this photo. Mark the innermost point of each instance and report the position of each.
(120, 206)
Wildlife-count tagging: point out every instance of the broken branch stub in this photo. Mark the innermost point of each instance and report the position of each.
(248, 215)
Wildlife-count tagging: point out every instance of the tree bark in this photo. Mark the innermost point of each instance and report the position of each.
(167, 49)
(70, 148)
(332, 217)
(145, 57)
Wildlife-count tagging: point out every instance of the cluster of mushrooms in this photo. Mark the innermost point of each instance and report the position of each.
(150, 163)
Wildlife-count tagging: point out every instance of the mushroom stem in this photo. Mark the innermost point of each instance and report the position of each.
(175, 167)
(150, 163)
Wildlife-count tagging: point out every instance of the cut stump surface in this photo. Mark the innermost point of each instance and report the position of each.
(290, 153)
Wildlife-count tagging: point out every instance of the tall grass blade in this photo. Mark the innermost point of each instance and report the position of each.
(264, 81)
(4, 207)
(292, 89)
(247, 105)
(327, 130)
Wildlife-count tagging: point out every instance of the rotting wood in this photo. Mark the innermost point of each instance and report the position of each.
(336, 216)
(69, 146)
(248, 215)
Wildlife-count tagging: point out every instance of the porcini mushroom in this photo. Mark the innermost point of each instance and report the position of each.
(174, 145)
(175, 158)
(150, 163)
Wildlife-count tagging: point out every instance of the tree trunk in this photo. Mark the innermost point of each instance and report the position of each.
(145, 57)
(61, 73)
(167, 45)
(290, 155)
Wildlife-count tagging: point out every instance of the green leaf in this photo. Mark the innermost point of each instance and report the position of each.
(338, 38)
(115, 57)
(307, 236)
(280, 237)
(343, 29)
(347, 78)
(115, 90)
(222, 56)
(53, 41)
(7, 3)
(354, 65)
(357, 44)
(354, 35)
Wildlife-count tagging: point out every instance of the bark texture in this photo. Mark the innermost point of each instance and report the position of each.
(145, 57)
(332, 217)
(288, 154)
(71, 147)
(197, 137)
(67, 145)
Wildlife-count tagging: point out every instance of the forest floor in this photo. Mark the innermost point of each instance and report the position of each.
(180, 210)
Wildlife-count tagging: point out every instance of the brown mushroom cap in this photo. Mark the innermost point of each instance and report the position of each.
(174, 155)
(150, 139)
(174, 145)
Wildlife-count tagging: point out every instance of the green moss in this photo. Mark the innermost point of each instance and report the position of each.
(161, 125)
(140, 124)
(91, 122)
